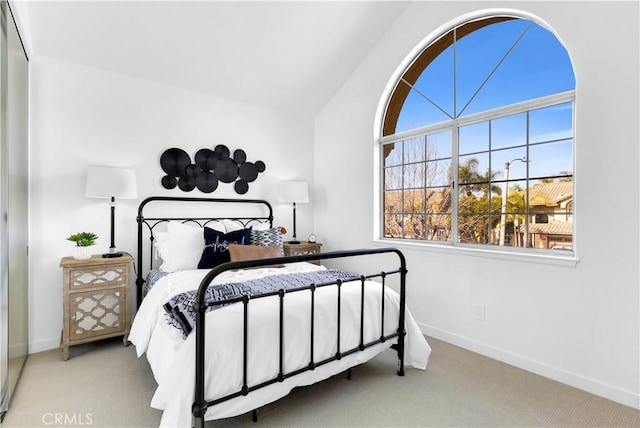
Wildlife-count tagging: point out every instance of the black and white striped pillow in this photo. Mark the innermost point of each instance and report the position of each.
(267, 238)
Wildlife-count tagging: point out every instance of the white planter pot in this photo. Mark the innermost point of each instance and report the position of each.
(81, 253)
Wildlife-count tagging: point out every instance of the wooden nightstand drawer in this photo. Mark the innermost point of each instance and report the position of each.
(96, 300)
(90, 277)
(96, 313)
(302, 248)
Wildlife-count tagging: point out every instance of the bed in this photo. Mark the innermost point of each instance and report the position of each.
(232, 337)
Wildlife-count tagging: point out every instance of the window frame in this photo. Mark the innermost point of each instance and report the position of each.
(453, 125)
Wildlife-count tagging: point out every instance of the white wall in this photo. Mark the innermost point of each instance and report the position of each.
(578, 325)
(81, 116)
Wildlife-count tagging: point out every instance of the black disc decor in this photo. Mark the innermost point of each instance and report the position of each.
(206, 159)
(227, 170)
(186, 183)
(210, 167)
(241, 187)
(207, 182)
(239, 156)
(174, 161)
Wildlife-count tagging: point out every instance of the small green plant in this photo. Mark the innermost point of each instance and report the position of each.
(83, 239)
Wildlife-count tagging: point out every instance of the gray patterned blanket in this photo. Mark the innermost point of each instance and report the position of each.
(180, 309)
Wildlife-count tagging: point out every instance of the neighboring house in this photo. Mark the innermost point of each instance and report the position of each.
(551, 219)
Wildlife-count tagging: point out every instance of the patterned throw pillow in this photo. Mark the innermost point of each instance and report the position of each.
(267, 238)
(216, 246)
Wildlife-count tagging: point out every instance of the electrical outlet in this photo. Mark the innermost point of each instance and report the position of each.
(480, 312)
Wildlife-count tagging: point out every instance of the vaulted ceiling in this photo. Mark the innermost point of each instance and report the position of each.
(288, 56)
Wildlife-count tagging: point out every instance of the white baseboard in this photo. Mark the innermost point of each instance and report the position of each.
(619, 395)
(44, 345)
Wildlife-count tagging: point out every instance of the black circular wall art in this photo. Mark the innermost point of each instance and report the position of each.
(174, 161)
(209, 168)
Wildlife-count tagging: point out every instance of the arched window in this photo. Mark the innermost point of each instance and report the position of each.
(477, 137)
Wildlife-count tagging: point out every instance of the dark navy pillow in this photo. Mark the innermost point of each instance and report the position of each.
(216, 246)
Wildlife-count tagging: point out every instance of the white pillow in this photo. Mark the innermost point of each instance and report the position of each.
(182, 245)
(260, 226)
(161, 247)
(233, 225)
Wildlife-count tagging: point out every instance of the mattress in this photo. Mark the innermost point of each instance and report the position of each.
(172, 357)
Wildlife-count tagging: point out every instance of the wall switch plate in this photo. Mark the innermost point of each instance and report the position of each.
(480, 312)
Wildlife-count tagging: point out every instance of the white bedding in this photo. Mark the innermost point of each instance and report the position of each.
(172, 358)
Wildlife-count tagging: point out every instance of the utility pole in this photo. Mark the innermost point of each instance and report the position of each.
(505, 194)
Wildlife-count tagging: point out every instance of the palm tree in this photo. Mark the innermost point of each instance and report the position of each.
(468, 176)
(470, 180)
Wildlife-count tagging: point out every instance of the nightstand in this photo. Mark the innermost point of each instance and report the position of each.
(96, 299)
(304, 247)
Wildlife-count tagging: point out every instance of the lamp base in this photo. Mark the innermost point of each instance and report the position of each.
(293, 242)
(112, 255)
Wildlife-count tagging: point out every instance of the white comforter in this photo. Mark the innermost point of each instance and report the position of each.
(172, 358)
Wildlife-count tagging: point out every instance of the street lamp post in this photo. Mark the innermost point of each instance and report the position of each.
(505, 190)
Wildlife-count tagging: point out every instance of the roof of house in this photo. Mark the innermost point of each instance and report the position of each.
(550, 194)
(554, 228)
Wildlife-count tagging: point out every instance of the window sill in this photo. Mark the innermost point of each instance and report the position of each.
(528, 256)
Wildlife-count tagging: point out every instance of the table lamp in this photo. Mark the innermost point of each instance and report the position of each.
(111, 183)
(294, 192)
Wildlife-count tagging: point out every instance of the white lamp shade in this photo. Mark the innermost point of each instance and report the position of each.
(108, 182)
(294, 191)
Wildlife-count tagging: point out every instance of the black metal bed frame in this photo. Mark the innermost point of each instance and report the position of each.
(200, 404)
(152, 222)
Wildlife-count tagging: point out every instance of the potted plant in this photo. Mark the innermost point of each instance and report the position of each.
(83, 241)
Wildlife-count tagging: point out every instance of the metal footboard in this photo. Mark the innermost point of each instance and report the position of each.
(201, 405)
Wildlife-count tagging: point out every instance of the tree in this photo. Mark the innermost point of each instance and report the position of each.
(476, 205)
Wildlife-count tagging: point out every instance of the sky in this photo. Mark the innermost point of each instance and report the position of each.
(523, 61)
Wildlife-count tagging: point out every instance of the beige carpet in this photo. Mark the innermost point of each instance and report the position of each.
(105, 385)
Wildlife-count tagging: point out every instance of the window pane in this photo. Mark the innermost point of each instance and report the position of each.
(393, 226)
(393, 178)
(392, 154)
(415, 226)
(516, 204)
(413, 201)
(551, 123)
(414, 176)
(537, 66)
(439, 200)
(473, 170)
(392, 201)
(438, 173)
(550, 159)
(439, 145)
(417, 112)
(438, 228)
(436, 81)
(509, 131)
(473, 138)
(414, 150)
(473, 228)
(479, 53)
(515, 158)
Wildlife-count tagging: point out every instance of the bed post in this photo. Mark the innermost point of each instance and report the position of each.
(403, 300)
(199, 404)
(139, 280)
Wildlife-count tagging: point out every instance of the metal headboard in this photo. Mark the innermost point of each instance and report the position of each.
(153, 222)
